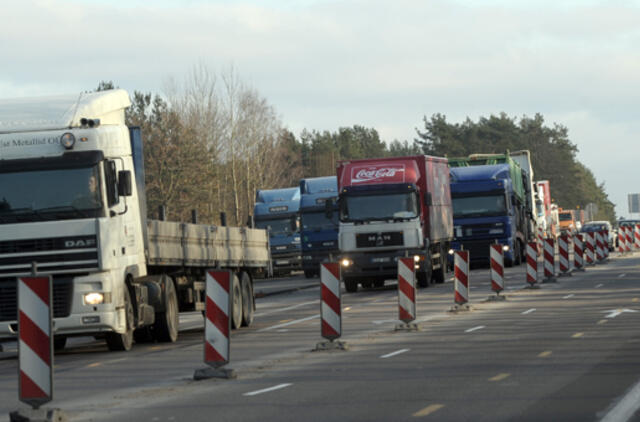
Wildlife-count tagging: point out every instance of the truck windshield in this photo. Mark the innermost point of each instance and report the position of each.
(277, 226)
(41, 195)
(565, 217)
(477, 206)
(316, 221)
(392, 206)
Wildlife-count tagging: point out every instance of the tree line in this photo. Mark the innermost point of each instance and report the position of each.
(211, 141)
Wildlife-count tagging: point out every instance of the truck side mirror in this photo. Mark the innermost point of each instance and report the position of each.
(328, 208)
(124, 183)
(428, 199)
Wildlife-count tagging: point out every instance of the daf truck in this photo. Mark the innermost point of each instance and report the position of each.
(391, 208)
(73, 207)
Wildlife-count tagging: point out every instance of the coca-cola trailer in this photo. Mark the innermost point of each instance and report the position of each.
(391, 208)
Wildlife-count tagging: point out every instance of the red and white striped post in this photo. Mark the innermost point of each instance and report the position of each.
(331, 306)
(532, 263)
(549, 261)
(621, 240)
(605, 243)
(406, 293)
(217, 325)
(636, 236)
(35, 346)
(563, 254)
(599, 251)
(461, 277)
(590, 248)
(628, 238)
(540, 239)
(578, 252)
(496, 256)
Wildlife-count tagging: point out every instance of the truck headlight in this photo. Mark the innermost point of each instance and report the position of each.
(93, 298)
(346, 262)
(451, 251)
(417, 258)
(505, 248)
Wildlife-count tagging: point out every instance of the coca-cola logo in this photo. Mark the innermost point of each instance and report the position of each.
(370, 174)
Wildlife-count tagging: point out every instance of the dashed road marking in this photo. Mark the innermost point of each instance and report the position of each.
(599, 285)
(621, 275)
(603, 321)
(545, 354)
(93, 365)
(296, 321)
(266, 390)
(397, 352)
(428, 410)
(499, 377)
(635, 299)
(626, 407)
(470, 330)
(577, 335)
(568, 296)
(528, 311)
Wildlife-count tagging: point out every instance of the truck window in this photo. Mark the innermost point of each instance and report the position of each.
(111, 182)
(383, 206)
(477, 206)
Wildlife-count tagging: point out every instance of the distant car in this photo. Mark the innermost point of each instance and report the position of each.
(594, 226)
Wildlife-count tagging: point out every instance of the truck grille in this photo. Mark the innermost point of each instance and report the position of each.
(62, 293)
(52, 255)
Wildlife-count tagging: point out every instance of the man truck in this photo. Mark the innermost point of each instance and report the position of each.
(73, 207)
(319, 234)
(491, 203)
(391, 208)
(277, 211)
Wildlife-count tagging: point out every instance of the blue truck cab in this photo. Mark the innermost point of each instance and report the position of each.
(277, 211)
(486, 209)
(319, 234)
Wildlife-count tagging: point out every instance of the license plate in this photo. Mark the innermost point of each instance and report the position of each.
(380, 260)
(282, 261)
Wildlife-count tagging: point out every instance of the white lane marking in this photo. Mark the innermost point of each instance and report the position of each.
(621, 275)
(599, 285)
(470, 330)
(615, 312)
(266, 390)
(626, 407)
(286, 324)
(288, 308)
(568, 296)
(397, 352)
(283, 330)
(528, 311)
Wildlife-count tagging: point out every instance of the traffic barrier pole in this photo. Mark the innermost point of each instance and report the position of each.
(578, 252)
(461, 278)
(636, 236)
(563, 254)
(217, 326)
(35, 346)
(496, 254)
(540, 239)
(549, 261)
(605, 243)
(628, 238)
(590, 247)
(599, 251)
(621, 240)
(532, 263)
(406, 294)
(330, 307)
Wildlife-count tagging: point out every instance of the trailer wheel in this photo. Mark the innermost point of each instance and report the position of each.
(165, 328)
(124, 341)
(247, 300)
(351, 285)
(236, 303)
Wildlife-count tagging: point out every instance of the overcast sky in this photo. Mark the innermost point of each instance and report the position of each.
(383, 64)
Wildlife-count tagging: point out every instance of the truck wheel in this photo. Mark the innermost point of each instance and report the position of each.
(518, 253)
(236, 303)
(378, 283)
(165, 328)
(143, 335)
(59, 342)
(422, 278)
(309, 273)
(247, 300)
(124, 341)
(351, 285)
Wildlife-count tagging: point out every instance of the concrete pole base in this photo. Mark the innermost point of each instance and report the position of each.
(581, 269)
(532, 286)
(567, 274)
(461, 308)
(38, 415)
(551, 279)
(496, 298)
(407, 326)
(331, 345)
(206, 373)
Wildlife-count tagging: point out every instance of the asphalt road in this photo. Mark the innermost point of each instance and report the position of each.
(566, 351)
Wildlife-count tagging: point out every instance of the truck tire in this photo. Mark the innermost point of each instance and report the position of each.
(247, 300)
(351, 285)
(124, 341)
(59, 342)
(165, 329)
(518, 253)
(309, 274)
(422, 278)
(440, 274)
(236, 302)
(378, 283)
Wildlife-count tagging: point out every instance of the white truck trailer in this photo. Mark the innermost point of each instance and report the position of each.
(73, 206)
